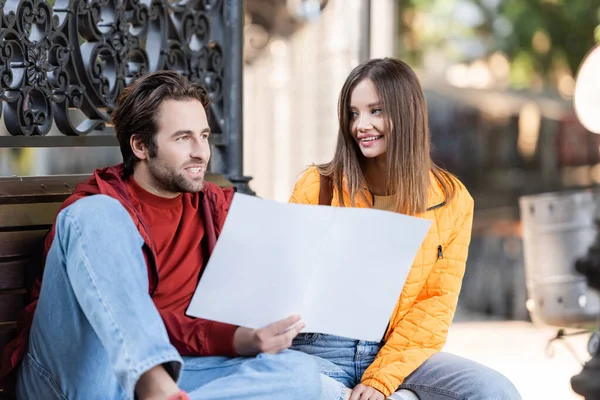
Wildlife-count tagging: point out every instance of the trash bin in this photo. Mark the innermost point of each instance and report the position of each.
(558, 228)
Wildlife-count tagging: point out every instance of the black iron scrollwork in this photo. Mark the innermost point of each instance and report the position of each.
(64, 63)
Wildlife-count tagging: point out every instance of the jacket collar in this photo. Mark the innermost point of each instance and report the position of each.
(436, 197)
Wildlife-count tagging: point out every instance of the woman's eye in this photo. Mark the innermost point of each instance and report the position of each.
(376, 111)
(353, 114)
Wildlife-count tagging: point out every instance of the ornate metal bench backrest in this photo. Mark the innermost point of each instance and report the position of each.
(64, 63)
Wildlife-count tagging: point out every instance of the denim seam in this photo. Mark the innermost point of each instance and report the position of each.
(216, 367)
(145, 365)
(46, 376)
(452, 395)
(343, 392)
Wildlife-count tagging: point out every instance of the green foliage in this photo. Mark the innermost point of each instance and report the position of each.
(569, 25)
(537, 35)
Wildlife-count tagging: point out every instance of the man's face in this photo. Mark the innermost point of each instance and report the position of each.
(182, 154)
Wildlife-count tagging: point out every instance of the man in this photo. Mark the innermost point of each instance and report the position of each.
(122, 262)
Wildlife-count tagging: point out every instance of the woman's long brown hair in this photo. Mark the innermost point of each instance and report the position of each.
(407, 133)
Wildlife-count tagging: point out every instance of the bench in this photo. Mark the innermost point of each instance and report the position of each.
(28, 207)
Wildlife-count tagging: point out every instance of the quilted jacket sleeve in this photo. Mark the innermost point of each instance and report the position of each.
(306, 190)
(423, 330)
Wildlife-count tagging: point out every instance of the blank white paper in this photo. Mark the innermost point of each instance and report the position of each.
(341, 269)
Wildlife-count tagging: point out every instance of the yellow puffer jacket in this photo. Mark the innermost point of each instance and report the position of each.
(419, 324)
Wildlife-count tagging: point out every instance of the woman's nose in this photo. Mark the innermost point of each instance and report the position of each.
(364, 123)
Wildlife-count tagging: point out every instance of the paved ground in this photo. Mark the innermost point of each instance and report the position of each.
(518, 350)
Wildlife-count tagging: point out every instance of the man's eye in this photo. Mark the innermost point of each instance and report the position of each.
(185, 137)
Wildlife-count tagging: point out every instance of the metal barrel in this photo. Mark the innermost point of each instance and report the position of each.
(558, 228)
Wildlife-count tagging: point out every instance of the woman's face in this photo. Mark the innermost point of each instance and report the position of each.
(368, 120)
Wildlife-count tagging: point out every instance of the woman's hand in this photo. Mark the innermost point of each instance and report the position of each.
(363, 392)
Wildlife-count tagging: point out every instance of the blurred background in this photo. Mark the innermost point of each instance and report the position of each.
(499, 77)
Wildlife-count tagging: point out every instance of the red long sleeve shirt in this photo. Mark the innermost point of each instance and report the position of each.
(177, 231)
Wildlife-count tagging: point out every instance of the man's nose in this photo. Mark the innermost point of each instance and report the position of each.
(201, 150)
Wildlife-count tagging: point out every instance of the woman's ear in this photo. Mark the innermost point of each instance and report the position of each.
(138, 148)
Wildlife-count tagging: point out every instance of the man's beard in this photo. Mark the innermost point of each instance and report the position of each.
(171, 180)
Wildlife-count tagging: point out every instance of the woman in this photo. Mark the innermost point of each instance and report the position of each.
(382, 160)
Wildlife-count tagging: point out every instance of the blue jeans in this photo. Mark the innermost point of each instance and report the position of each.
(443, 376)
(96, 330)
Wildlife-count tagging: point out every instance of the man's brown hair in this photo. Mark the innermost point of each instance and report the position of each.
(138, 106)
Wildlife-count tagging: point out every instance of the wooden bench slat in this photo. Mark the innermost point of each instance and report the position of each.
(38, 188)
(12, 274)
(19, 243)
(11, 304)
(21, 215)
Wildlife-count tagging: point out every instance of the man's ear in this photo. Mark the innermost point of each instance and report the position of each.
(138, 148)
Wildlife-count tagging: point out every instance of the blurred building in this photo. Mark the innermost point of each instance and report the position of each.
(292, 86)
